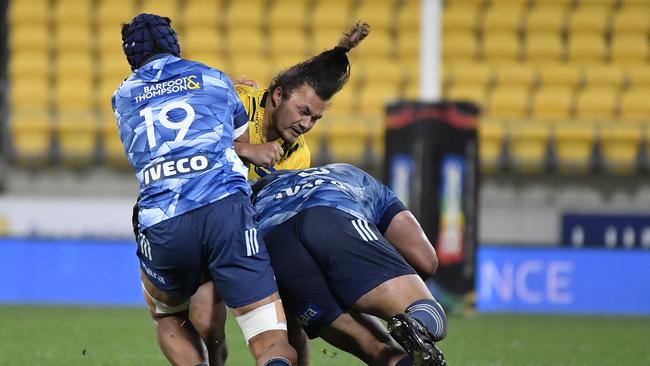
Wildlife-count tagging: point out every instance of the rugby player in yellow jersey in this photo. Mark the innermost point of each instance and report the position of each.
(278, 117)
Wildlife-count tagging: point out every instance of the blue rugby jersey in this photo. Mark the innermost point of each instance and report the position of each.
(177, 121)
(342, 186)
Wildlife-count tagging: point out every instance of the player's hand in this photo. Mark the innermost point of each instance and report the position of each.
(242, 80)
(265, 155)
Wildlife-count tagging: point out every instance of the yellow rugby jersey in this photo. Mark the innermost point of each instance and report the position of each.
(296, 155)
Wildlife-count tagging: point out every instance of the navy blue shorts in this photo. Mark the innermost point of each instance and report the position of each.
(221, 239)
(324, 260)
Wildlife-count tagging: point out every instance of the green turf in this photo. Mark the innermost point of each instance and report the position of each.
(73, 336)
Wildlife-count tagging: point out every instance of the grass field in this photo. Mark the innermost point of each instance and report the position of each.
(56, 336)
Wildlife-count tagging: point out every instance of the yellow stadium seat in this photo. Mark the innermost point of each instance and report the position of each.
(634, 105)
(373, 98)
(564, 3)
(552, 103)
(314, 140)
(113, 67)
(566, 75)
(600, 75)
(475, 3)
(202, 39)
(28, 12)
(73, 11)
(589, 20)
(631, 20)
(240, 15)
(104, 95)
(474, 74)
(408, 46)
(29, 38)
(500, 47)
(516, 74)
(333, 15)
(412, 90)
(30, 64)
(344, 103)
(546, 18)
(574, 144)
(378, 45)
(619, 145)
(77, 137)
(74, 37)
(505, 18)
(379, 14)
(112, 147)
(74, 95)
(109, 38)
(459, 47)
(112, 13)
(635, 4)
(75, 66)
(347, 141)
(384, 71)
(528, 146)
(467, 93)
(285, 41)
(256, 69)
(408, 17)
(166, 8)
(246, 43)
(203, 13)
(31, 135)
(74, 75)
(639, 76)
(596, 104)
(325, 39)
(630, 49)
(215, 60)
(288, 15)
(509, 102)
(29, 94)
(586, 48)
(608, 4)
(491, 138)
(544, 48)
(519, 3)
(460, 17)
(286, 60)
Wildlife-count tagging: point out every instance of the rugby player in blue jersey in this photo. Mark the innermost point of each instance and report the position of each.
(339, 243)
(177, 121)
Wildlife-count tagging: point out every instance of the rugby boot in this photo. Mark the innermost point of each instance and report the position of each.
(415, 340)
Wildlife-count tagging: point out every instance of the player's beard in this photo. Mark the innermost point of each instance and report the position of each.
(282, 131)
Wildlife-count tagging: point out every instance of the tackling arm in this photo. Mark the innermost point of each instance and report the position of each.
(406, 235)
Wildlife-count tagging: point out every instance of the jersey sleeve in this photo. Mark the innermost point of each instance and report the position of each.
(388, 206)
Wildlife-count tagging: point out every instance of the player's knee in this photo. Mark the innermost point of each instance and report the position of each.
(161, 309)
(262, 319)
(431, 315)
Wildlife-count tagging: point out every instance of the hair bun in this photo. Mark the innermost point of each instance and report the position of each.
(355, 35)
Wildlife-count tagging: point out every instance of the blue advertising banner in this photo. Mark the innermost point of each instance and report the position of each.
(69, 272)
(563, 280)
(606, 230)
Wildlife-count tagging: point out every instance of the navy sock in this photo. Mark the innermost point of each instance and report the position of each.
(406, 361)
(278, 361)
(431, 315)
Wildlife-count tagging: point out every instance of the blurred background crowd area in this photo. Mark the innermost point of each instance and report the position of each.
(563, 84)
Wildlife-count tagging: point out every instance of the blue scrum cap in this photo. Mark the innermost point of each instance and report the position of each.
(147, 35)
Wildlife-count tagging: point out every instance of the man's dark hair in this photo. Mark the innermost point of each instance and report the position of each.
(326, 73)
(147, 35)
